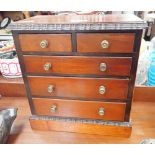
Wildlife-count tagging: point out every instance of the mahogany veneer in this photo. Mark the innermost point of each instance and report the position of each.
(56, 42)
(74, 87)
(78, 108)
(118, 42)
(78, 65)
(79, 71)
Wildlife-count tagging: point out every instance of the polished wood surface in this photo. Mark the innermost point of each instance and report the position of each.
(79, 87)
(78, 65)
(46, 19)
(12, 87)
(10, 90)
(106, 130)
(144, 93)
(11, 80)
(118, 42)
(7, 87)
(121, 41)
(81, 109)
(142, 116)
(56, 42)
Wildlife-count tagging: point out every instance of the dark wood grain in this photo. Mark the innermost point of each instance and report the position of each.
(56, 42)
(133, 72)
(78, 65)
(79, 87)
(77, 108)
(62, 19)
(21, 62)
(118, 42)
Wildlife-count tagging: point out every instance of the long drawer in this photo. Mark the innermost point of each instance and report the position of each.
(45, 42)
(78, 65)
(81, 109)
(92, 88)
(105, 42)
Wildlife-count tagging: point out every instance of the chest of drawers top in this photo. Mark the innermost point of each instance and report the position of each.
(79, 22)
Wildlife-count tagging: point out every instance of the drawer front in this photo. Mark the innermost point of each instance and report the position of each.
(97, 88)
(81, 109)
(78, 65)
(105, 43)
(45, 42)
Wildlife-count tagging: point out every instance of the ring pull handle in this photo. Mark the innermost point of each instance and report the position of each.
(101, 111)
(47, 66)
(53, 109)
(50, 89)
(43, 43)
(104, 44)
(103, 67)
(102, 90)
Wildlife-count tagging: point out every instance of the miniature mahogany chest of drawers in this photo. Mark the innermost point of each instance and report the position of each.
(79, 71)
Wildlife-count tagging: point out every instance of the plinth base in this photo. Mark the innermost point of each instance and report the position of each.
(109, 128)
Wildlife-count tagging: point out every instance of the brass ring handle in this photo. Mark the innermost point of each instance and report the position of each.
(101, 111)
(43, 43)
(102, 90)
(53, 108)
(50, 88)
(47, 66)
(104, 44)
(103, 67)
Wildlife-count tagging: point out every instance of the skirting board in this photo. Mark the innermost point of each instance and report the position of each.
(107, 128)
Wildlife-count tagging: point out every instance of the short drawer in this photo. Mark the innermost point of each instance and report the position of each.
(73, 87)
(81, 109)
(105, 42)
(45, 42)
(78, 65)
